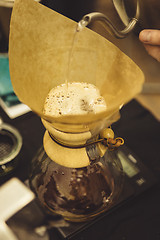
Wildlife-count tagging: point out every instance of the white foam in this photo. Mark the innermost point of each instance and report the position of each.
(74, 99)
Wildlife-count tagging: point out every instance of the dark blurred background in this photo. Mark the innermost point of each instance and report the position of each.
(71, 8)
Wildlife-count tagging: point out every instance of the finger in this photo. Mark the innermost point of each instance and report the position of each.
(149, 36)
(154, 51)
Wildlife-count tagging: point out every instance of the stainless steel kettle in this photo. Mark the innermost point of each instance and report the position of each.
(131, 12)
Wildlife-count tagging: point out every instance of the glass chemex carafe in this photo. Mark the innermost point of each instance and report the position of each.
(76, 173)
(87, 181)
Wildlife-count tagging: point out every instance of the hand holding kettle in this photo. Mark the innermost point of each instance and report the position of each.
(151, 40)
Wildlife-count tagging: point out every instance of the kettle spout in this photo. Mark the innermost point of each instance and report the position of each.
(97, 16)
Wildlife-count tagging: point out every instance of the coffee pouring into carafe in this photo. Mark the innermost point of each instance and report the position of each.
(74, 174)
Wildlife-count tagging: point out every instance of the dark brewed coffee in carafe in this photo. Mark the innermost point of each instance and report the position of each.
(78, 194)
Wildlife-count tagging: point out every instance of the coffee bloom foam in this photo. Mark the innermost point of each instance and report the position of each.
(74, 99)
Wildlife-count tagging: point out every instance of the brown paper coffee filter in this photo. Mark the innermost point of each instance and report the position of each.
(39, 49)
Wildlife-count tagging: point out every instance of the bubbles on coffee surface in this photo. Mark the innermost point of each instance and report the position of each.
(76, 98)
